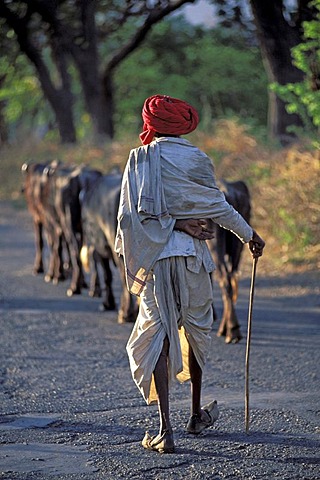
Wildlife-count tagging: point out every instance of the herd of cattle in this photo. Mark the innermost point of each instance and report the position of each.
(74, 212)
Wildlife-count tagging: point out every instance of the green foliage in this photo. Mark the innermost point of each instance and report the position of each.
(293, 231)
(214, 70)
(303, 98)
(21, 95)
(218, 73)
(25, 108)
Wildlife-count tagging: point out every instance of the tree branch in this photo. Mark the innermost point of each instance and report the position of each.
(154, 17)
(20, 27)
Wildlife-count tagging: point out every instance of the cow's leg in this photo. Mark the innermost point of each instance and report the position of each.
(214, 312)
(50, 241)
(77, 276)
(225, 294)
(75, 285)
(77, 279)
(235, 286)
(109, 300)
(128, 308)
(38, 261)
(66, 255)
(55, 272)
(222, 331)
(229, 326)
(233, 334)
(94, 286)
(58, 274)
(128, 305)
(70, 235)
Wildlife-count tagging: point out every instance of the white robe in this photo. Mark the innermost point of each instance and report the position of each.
(167, 180)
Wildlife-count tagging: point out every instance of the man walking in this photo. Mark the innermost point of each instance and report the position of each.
(168, 191)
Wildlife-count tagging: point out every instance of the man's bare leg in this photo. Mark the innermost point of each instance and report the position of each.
(162, 386)
(163, 442)
(196, 384)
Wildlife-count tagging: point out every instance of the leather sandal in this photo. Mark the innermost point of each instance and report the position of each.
(196, 425)
(160, 443)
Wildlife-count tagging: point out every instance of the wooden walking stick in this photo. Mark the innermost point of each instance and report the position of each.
(253, 277)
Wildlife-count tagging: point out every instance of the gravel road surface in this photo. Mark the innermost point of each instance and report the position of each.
(69, 408)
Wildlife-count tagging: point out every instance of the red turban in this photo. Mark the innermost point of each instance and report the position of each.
(164, 114)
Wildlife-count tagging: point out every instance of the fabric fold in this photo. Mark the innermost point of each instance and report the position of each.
(171, 306)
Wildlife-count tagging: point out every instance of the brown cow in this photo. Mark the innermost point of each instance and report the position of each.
(36, 189)
(32, 189)
(226, 250)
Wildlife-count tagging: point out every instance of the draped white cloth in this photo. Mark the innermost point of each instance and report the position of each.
(176, 303)
(166, 180)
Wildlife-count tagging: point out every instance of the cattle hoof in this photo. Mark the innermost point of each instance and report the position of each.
(55, 281)
(123, 320)
(94, 293)
(103, 307)
(71, 292)
(233, 339)
(47, 278)
(37, 271)
(221, 333)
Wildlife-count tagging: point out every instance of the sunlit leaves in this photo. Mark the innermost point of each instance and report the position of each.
(20, 92)
(303, 98)
(217, 73)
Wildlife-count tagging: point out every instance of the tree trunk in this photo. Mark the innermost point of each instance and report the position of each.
(61, 104)
(108, 98)
(155, 15)
(276, 39)
(98, 109)
(87, 63)
(96, 102)
(4, 137)
(60, 99)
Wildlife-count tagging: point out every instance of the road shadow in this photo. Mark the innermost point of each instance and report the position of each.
(25, 305)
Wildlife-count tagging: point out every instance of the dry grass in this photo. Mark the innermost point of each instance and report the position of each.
(284, 186)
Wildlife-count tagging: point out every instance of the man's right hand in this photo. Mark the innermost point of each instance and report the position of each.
(256, 245)
(197, 228)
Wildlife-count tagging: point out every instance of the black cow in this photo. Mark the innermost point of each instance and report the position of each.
(68, 182)
(99, 218)
(61, 217)
(226, 250)
(99, 213)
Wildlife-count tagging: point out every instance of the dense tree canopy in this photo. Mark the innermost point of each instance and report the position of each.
(304, 97)
(81, 64)
(214, 70)
(279, 28)
(73, 32)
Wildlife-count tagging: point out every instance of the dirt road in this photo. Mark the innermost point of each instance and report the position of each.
(69, 409)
